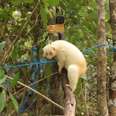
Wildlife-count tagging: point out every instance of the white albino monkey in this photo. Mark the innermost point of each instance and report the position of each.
(69, 57)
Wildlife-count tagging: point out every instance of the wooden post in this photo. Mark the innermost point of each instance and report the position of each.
(70, 102)
(55, 82)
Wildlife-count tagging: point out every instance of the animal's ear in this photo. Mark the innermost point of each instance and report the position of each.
(53, 48)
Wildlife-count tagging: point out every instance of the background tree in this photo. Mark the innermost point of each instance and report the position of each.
(81, 23)
(101, 62)
(113, 78)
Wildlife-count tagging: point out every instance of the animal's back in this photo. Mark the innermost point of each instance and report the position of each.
(72, 53)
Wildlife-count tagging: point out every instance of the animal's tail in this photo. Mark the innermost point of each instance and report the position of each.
(73, 76)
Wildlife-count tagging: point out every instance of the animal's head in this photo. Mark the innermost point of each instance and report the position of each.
(49, 51)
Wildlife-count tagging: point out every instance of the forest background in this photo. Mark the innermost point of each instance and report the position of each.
(23, 24)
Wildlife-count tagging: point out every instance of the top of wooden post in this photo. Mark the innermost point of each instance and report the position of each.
(58, 26)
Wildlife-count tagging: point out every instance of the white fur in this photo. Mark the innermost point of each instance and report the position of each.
(73, 76)
(69, 57)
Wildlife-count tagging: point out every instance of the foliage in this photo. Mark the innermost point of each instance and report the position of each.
(4, 14)
(2, 77)
(80, 29)
(2, 45)
(2, 100)
(14, 102)
(15, 79)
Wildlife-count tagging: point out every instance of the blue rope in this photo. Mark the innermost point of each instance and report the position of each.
(36, 65)
(114, 49)
(34, 49)
(90, 50)
(45, 61)
(38, 62)
(35, 71)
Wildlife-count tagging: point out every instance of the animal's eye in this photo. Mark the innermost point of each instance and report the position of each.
(50, 53)
(47, 54)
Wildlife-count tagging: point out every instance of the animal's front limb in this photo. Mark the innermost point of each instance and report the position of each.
(60, 66)
(61, 61)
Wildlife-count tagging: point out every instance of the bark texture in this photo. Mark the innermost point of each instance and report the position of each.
(55, 82)
(55, 91)
(101, 62)
(70, 101)
(112, 104)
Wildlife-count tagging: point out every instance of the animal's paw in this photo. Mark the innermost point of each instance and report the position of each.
(67, 85)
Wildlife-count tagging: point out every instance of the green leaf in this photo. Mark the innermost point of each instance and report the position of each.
(16, 2)
(1, 73)
(14, 101)
(2, 100)
(44, 14)
(53, 2)
(2, 80)
(15, 79)
(2, 45)
(15, 53)
(28, 1)
(2, 77)
(83, 12)
(4, 14)
(19, 2)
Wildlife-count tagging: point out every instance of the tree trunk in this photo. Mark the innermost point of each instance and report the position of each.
(101, 62)
(55, 91)
(112, 104)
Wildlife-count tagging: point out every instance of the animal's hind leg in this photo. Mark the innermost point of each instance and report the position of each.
(73, 76)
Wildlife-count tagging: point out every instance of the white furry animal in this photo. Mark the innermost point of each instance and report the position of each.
(69, 57)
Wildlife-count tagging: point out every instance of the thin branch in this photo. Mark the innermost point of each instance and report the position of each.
(7, 54)
(40, 80)
(37, 92)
